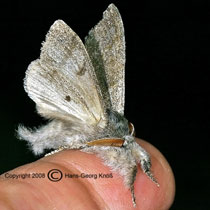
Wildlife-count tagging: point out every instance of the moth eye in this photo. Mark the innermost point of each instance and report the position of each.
(131, 129)
(67, 98)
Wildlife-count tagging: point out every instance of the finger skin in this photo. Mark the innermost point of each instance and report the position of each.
(86, 193)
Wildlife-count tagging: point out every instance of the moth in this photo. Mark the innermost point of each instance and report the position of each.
(80, 88)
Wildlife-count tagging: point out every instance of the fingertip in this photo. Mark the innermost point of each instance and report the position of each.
(148, 194)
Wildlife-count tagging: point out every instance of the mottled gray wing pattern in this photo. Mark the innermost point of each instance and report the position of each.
(105, 44)
(62, 82)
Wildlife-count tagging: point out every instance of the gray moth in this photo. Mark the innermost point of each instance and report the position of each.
(80, 89)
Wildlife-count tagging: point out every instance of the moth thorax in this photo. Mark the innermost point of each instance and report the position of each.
(118, 123)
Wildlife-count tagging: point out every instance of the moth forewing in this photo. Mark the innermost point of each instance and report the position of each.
(63, 71)
(105, 44)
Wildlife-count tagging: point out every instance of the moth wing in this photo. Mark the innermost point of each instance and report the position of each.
(62, 82)
(105, 44)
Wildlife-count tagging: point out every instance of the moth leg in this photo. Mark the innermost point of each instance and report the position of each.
(133, 175)
(146, 165)
(143, 158)
(120, 160)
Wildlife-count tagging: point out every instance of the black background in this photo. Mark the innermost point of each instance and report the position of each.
(167, 79)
